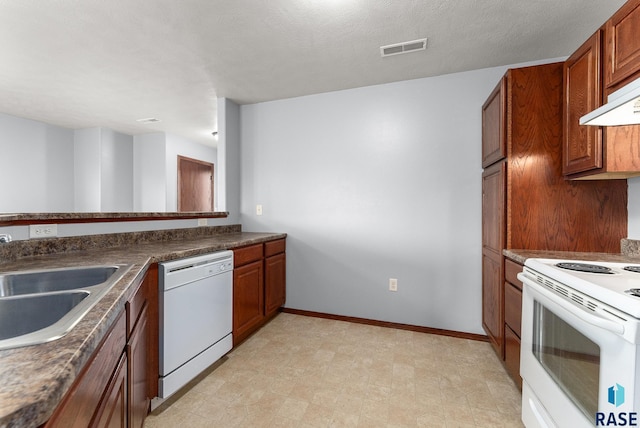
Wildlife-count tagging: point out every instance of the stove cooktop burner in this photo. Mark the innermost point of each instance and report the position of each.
(635, 269)
(585, 267)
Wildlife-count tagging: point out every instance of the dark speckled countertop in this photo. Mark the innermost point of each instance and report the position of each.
(629, 252)
(34, 379)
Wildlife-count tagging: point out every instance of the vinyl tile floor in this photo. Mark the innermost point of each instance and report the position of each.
(300, 371)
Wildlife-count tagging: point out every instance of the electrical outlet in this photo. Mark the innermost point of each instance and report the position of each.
(202, 222)
(43, 230)
(259, 209)
(393, 284)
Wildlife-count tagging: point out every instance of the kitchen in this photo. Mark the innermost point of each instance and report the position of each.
(390, 156)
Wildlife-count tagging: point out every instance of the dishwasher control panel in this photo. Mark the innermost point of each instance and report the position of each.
(179, 272)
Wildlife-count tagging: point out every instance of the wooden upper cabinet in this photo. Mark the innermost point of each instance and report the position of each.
(493, 130)
(582, 145)
(622, 46)
(603, 64)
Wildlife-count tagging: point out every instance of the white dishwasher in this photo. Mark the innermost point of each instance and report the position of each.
(196, 316)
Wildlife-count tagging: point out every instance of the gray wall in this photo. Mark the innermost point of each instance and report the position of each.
(103, 170)
(370, 184)
(36, 166)
(229, 169)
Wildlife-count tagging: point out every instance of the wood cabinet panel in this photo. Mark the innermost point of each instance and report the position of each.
(135, 306)
(622, 45)
(272, 248)
(493, 241)
(512, 356)
(248, 299)
(582, 145)
(113, 410)
(492, 301)
(511, 271)
(252, 253)
(493, 207)
(513, 308)
(81, 402)
(493, 130)
(138, 352)
(152, 364)
(275, 283)
(545, 211)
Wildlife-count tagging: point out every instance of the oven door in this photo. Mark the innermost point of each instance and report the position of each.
(573, 361)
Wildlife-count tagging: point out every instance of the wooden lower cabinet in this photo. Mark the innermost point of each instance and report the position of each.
(248, 299)
(113, 411)
(259, 286)
(84, 403)
(275, 272)
(116, 386)
(138, 353)
(492, 301)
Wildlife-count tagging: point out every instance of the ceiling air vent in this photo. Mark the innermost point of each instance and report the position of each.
(402, 48)
(148, 120)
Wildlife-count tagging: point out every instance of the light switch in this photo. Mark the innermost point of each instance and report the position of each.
(259, 209)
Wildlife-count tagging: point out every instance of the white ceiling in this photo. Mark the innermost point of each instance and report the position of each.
(87, 63)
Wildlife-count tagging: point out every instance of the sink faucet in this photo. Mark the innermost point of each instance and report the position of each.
(4, 238)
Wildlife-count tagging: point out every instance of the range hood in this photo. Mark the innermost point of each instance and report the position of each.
(622, 108)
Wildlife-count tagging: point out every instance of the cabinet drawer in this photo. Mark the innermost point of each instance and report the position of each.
(135, 305)
(511, 270)
(512, 307)
(274, 247)
(242, 256)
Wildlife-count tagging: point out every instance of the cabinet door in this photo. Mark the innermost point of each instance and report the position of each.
(622, 45)
(248, 299)
(493, 129)
(84, 399)
(582, 145)
(142, 320)
(138, 353)
(275, 283)
(112, 412)
(493, 239)
(493, 207)
(512, 356)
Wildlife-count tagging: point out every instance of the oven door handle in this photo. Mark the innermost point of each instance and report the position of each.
(554, 300)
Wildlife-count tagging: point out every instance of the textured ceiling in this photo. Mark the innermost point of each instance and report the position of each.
(87, 63)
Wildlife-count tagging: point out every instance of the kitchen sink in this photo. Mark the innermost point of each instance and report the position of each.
(44, 305)
(31, 313)
(13, 284)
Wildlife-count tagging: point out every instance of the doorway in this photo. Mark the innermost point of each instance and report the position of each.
(195, 185)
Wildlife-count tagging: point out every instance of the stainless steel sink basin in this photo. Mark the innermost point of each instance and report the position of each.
(44, 305)
(13, 284)
(35, 312)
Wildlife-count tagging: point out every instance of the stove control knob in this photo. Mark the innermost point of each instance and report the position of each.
(634, 292)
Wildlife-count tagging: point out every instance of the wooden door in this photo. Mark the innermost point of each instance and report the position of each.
(138, 353)
(195, 185)
(275, 282)
(112, 412)
(493, 242)
(248, 299)
(582, 145)
(622, 45)
(493, 129)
